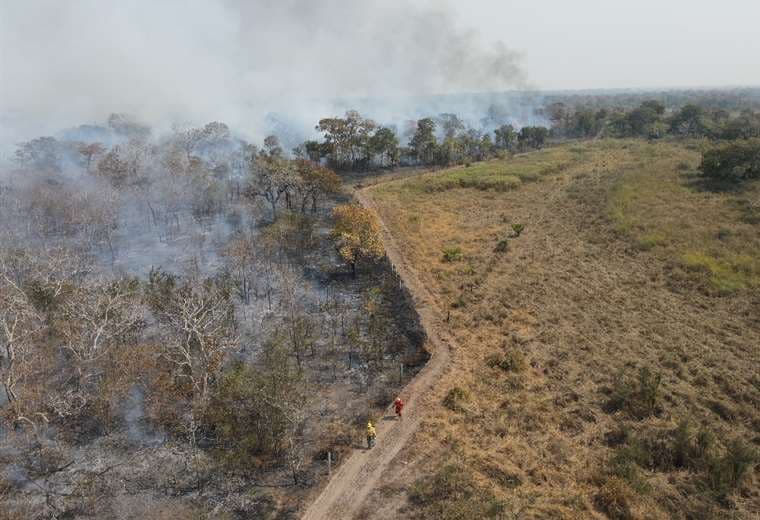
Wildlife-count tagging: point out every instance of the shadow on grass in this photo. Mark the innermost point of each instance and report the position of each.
(698, 182)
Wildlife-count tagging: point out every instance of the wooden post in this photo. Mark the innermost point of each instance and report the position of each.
(329, 462)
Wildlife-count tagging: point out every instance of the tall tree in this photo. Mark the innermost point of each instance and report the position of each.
(450, 124)
(505, 137)
(347, 139)
(423, 142)
(314, 181)
(270, 178)
(384, 143)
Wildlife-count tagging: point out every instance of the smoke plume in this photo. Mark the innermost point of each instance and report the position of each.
(192, 61)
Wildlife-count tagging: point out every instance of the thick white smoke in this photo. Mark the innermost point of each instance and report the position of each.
(65, 63)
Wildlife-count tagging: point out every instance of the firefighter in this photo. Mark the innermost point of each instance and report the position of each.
(371, 435)
(398, 406)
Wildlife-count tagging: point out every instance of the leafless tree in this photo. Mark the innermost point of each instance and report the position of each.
(30, 286)
(99, 315)
(298, 326)
(242, 256)
(201, 331)
(20, 323)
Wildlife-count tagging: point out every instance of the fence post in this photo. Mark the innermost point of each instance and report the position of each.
(329, 462)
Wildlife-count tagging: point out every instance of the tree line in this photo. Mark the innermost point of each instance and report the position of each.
(356, 143)
(651, 120)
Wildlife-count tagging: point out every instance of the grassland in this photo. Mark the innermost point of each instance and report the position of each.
(609, 355)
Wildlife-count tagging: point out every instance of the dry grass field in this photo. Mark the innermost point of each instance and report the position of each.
(609, 360)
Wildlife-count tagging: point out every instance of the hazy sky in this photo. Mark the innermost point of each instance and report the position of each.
(626, 43)
(73, 61)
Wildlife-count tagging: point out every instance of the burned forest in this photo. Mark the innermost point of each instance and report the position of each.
(185, 328)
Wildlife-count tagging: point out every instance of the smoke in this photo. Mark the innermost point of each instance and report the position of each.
(134, 417)
(193, 61)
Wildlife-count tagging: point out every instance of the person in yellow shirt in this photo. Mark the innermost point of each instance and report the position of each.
(371, 434)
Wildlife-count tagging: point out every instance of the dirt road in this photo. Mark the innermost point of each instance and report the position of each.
(352, 482)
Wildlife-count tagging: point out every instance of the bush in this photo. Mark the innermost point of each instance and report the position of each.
(455, 398)
(518, 229)
(637, 396)
(502, 246)
(452, 254)
(733, 162)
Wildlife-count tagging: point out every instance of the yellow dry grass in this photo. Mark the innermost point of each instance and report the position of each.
(617, 269)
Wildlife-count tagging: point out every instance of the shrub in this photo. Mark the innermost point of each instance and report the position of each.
(455, 398)
(513, 361)
(518, 229)
(724, 474)
(690, 449)
(452, 254)
(733, 162)
(638, 396)
(502, 246)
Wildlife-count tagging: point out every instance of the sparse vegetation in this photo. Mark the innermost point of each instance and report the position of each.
(513, 361)
(453, 493)
(616, 330)
(452, 254)
(716, 471)
(636, 395)
(651, 202)
(455, 399)
(518, 229)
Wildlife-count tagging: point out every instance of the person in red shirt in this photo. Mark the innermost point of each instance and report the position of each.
(398, 405)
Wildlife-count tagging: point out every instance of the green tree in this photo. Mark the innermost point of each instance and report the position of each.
(384, 143)
(256, 409)
(347, 139)
(690, 121)
(736, 161)
(532, 137)
(505, 137)
(450, 124)
(423, 142)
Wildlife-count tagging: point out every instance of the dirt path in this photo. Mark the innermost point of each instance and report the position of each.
(352, 482)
